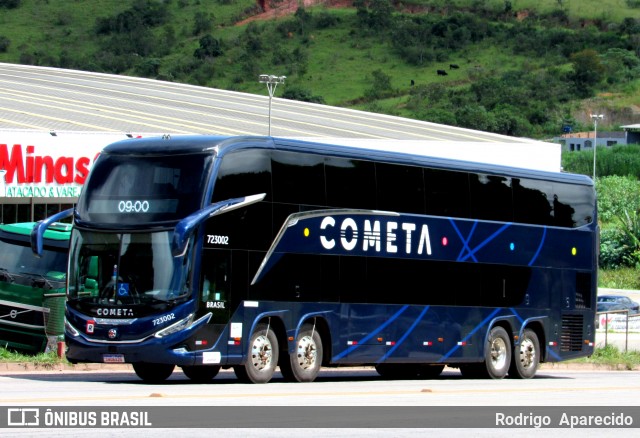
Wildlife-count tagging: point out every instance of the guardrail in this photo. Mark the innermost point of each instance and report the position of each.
(606, 329)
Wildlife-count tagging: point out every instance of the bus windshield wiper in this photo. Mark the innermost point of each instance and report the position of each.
(40, 281)
(6, 275)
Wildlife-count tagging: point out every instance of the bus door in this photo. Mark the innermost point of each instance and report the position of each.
(214, 296)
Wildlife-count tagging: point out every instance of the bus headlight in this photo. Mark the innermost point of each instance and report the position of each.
(176, 327)
(70, 329)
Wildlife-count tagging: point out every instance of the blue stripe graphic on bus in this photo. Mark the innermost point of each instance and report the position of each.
(371, 335)
(516, 315)
(388, 234)
(465, 242)
(404, 337)
(466, 338)
(535, 256)
(555, 355)
(485, 242)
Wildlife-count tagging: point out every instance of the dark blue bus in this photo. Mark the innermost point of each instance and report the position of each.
(256, 253)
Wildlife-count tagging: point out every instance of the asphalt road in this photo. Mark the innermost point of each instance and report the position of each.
(366, 401)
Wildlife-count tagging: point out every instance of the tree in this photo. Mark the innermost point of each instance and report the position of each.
(381, 85)
(4, 43)
(9, 4)
(588, 71)
(209, 48)
(475, 116)
(202, 23)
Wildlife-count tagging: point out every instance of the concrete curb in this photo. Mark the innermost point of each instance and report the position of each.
(57, 367)
(23, 367)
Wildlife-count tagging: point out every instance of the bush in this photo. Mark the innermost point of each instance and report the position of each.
(615, 251)
(4, 44)
(304, 95)
(617, 194)
(9, 4)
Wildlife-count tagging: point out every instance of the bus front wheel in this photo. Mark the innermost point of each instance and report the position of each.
(526, 356)
(153, 372)
(201, 374)
(263, 357)
(304, 364)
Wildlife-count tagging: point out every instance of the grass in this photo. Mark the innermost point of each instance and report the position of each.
(622, 278)
(42, 359)
(611, 356)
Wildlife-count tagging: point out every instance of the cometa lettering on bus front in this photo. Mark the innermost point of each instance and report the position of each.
(114, 312)
(372, 236)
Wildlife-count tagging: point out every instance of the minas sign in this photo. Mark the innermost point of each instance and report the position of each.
(49, 165)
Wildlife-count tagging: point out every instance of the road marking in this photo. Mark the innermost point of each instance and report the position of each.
(298, 395)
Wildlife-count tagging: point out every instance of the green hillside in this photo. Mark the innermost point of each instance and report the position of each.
(518, 67)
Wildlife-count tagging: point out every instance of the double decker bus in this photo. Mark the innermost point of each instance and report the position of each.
(32, 290)
(255, 253)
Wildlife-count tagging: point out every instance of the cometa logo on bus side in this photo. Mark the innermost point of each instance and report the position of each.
(397, 236)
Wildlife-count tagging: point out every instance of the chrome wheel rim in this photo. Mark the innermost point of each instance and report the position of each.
(527, 353)
(261, 353)
(498, 353)
(307, 353)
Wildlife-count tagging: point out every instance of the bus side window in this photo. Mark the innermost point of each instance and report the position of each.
(350, 183)
(215, 276)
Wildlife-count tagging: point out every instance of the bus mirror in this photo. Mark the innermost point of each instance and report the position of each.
(37, 234)
(183, 231)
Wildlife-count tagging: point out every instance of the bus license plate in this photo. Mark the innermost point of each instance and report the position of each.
(113, 358)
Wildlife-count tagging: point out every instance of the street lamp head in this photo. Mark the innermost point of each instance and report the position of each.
(271, 79)
(597, 116)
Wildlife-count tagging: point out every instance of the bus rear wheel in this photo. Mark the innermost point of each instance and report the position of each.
(526, 356)
(303, 365)
(201, 374)
(263, 357)
(153, 372)
(497, 358)
(498, 353)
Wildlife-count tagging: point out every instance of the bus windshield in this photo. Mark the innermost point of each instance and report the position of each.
(123, 268)
(16, 258)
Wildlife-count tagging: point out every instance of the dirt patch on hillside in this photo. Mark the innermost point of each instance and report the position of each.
(276, 9)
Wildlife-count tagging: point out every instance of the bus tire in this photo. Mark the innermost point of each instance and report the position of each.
(497, 355)
(402, 371)
(153, 372)
(303, 365)
(526, 356)
(430, 371)
(474, 371)
(201, 374)
(396, 371)
(262, 356)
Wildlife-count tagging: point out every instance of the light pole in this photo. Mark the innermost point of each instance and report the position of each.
(595, 118)
(272, 82)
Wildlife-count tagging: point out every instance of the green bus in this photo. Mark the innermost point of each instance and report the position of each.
(32, 289)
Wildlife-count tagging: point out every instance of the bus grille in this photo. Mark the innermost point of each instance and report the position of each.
(571, 335)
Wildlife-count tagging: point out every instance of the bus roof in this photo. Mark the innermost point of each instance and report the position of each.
(392, 151)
